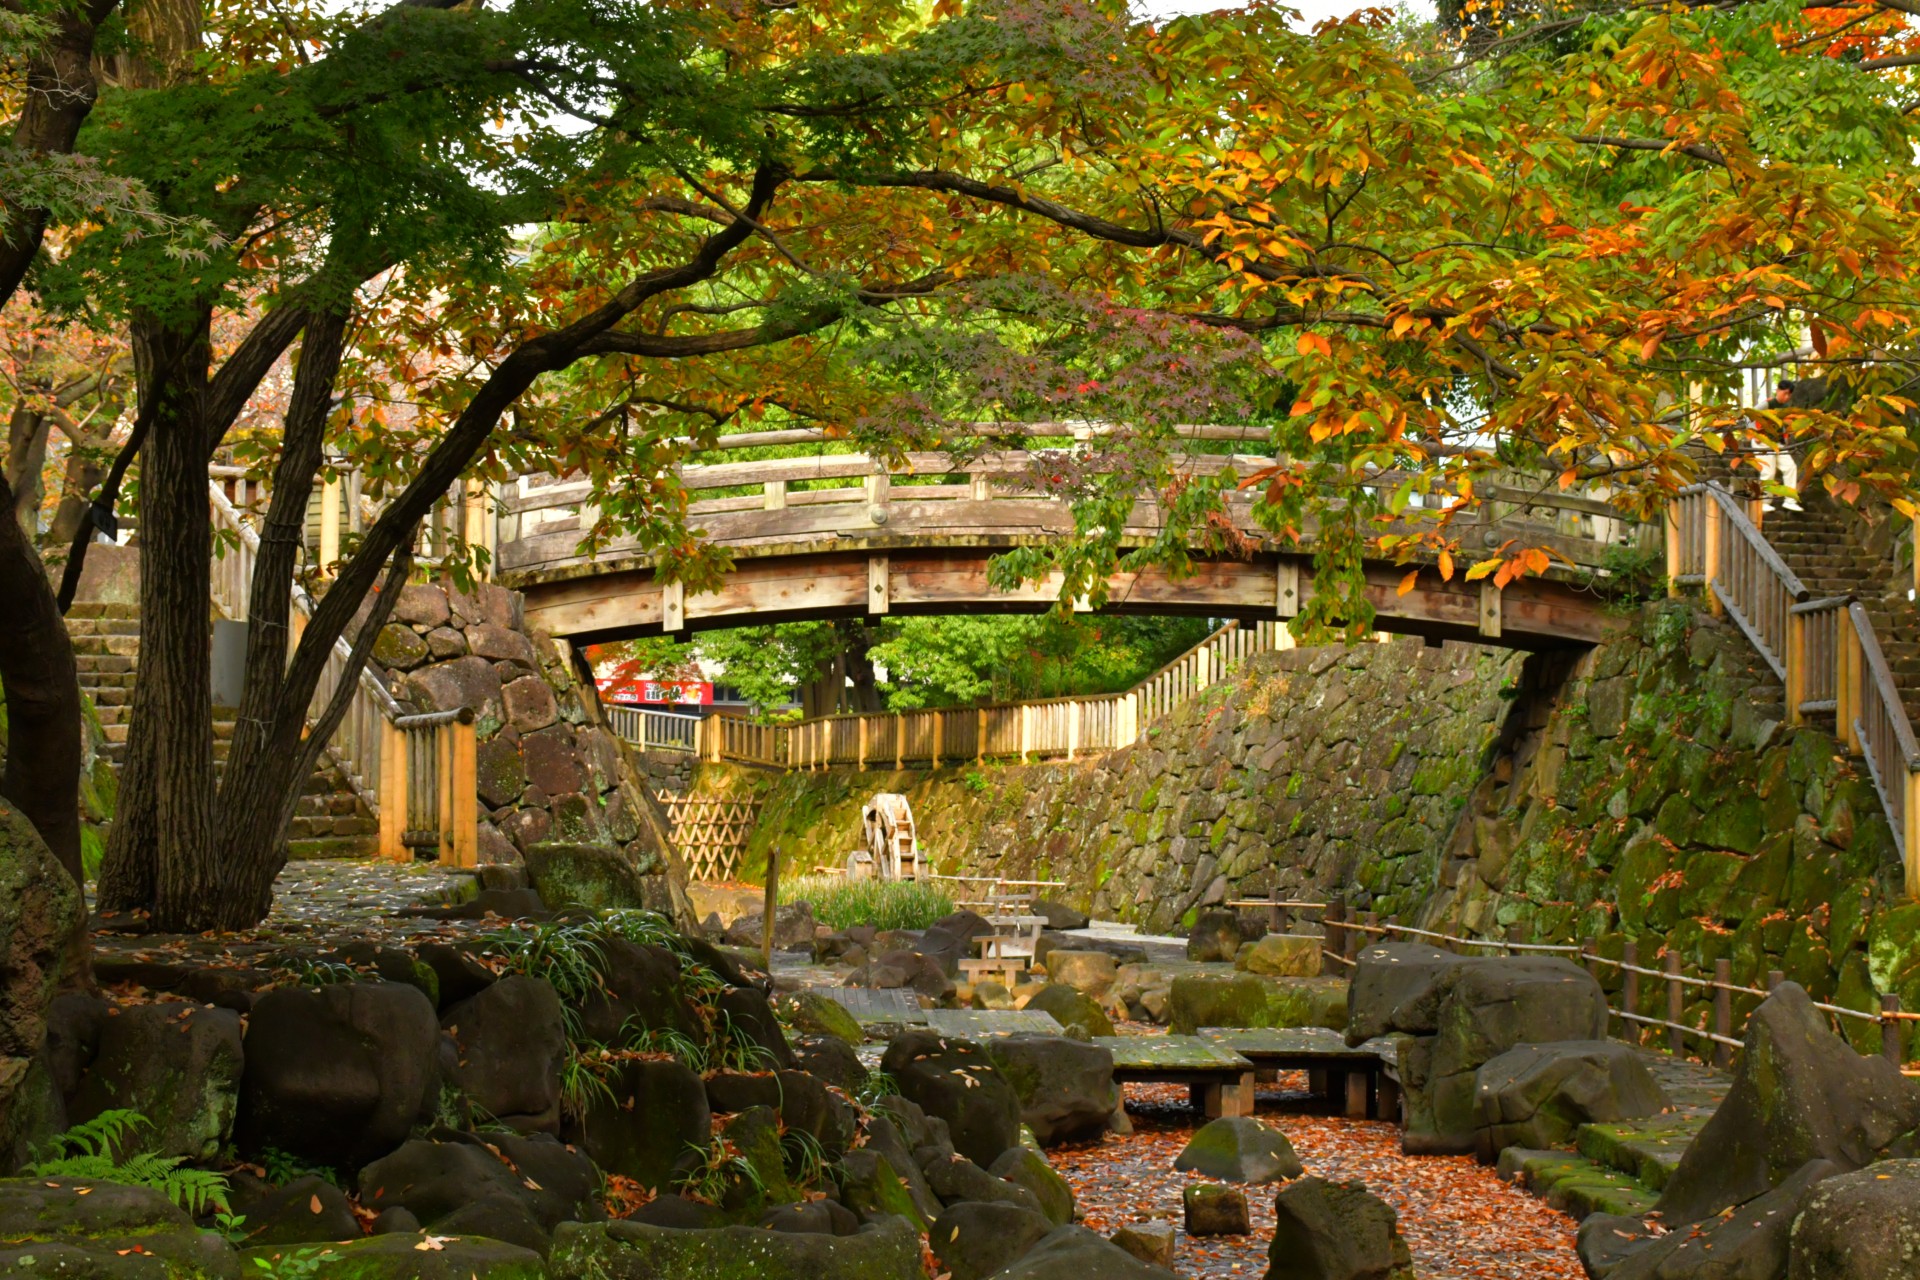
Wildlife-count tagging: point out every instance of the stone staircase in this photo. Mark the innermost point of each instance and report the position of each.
(1828, 548)
(332, 821)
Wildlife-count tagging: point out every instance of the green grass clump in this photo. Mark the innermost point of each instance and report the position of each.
(885, 904)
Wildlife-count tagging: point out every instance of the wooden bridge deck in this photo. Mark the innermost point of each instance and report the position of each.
(882, 544)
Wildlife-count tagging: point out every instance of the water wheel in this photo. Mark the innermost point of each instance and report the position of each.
(892, 842)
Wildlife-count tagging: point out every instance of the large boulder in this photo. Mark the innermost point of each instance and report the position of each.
(1749, 1242)
(1280, 955)
(479, 1182)
(586, 875)
(1239, 1149)
(1799, 1093)
(1059, 915)
(957, 1081)
(1396, 987)
(627, 1250)
(973, 1240)
(1863, 1225)
(1335, 1231)
(1536, 1095)
(1075, 1253)
(1066, 1087)
(639, 992)
(1487, 1007)
(1215, 936)
(958, 1180)
(749, 1014)
(510, 1042)
(643, 1120)
(179, 1065)
(339, 1075)
(306, 1210)
(76, 1227)
(810, 1013)
(830, 1060)
(793, 926)
(1072, 1009)
(40, 910)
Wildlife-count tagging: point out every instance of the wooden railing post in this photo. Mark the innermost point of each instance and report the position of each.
(1590, 956)
(939, 726)
(1722, 1012)
(465, 791)
(980, 738)
(393, 792)
(1774, 978)
(1630, 991)
(1026, 731)
(1796, 665)
(861, 758)
(1890, 1037)
(1710, 563)
(329, 525)
(1910, 819)
(1333, 926)
(1846, 685)
(1676, 1004)
(443, 791)
(1073, 727)
(1673, 546)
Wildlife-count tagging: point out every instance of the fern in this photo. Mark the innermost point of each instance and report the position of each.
(88, 1150)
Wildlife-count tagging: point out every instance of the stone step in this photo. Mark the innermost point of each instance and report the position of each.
(117, 646)
(1574, 1184)
(112, 664)
(78, 627)
(102, 609)
(327, 828)
(333, 847)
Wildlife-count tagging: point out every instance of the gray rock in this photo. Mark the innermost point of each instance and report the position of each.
(1148, 1241)
(1066, 1087)
(500, 643)
(1028, 1168)
(397, 648)
(469, 682)
(1240, 1149)
(1397, 987)
(511, 1042)
(958, 1180)
(341, 1074)
(1214, 1210)
(179, 1065)
(398, 1256)
(1073, 1010)
(975, 1240)
(1863, 1225)
(307, 1209)
(1075, 1253)
(581, 875)
(445, 642)
(1799, 1094)
(1091, 972)
(1536, 1095)
(421, 605)
(1749, 1242)
(957, 1081)
(92, 1229)
(1215, 936)
(1335, 1231)
(650, 1114)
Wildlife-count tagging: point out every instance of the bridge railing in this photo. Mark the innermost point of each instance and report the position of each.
(410, 771)
(652, 730)
(1824, 651)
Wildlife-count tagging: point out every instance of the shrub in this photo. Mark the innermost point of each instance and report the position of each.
(97, 1151)
(885, 904)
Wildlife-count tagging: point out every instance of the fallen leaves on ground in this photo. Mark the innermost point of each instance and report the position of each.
(1460, 1220)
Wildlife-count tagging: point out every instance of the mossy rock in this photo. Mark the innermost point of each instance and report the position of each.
(810, 1013)
(885, 1250)
(1071, 1009)
(403, 1256)
(585, 875)
(79, 1227)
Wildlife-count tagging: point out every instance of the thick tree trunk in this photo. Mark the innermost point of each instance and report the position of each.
(27, 432)
(161, 850)
(44, 747)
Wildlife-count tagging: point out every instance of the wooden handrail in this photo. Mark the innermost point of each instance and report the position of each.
(1883, 682)
(1732, 512)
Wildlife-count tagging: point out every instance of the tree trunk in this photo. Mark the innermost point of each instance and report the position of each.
(44, 747)
(267, 764)
(27, 432)
(161, 849)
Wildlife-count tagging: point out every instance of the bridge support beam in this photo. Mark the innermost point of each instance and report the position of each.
(1286, 589)
(879, 587)
(1490, 602)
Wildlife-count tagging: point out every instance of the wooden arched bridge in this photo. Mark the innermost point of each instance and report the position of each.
(842, 534)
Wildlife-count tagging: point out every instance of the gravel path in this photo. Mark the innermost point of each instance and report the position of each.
(1460, 1220)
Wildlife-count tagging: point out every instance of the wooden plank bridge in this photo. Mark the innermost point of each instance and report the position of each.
(868, 539)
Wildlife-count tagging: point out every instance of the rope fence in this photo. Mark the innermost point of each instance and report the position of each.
(1342, 932)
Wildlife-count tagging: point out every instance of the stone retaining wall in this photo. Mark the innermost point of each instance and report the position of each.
(1315, 770)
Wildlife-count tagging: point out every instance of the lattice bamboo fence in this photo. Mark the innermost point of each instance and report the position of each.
(711, 835)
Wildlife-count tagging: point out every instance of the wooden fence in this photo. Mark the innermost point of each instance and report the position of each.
(1824, 651)
(1044, 729)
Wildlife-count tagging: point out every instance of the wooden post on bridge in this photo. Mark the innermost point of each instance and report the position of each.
(939, 724)
(1026, 731)
(980, 738)
(1909, 782)
(393, 791)
(1073, 727)
(862, 765)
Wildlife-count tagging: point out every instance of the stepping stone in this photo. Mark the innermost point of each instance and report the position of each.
(1240, 1149)
(1214, 1210)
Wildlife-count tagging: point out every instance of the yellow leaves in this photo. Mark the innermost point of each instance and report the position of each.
(1446, 565)
(1906, 509)
(1483, 568)
(1310, 342)
(1407, 583)
(1652, 344)
(1402, 323)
